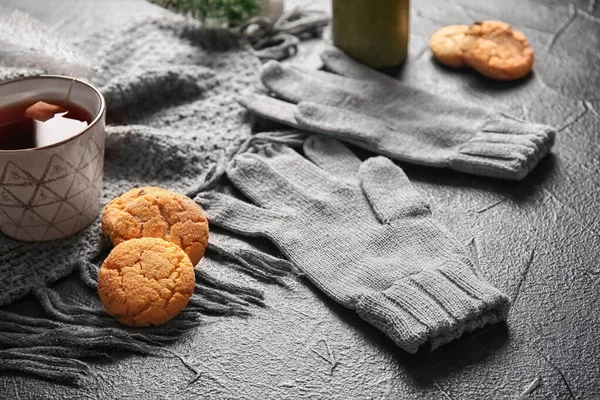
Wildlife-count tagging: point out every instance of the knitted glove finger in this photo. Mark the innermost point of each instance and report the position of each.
(262, 184)
(334, 157)
(295, 85)
(307, 176)
(238, 216)
(317, 118)
(389, 191)
(270, 108)
(338, 62)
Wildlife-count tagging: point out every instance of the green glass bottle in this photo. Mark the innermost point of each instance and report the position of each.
(374, 32)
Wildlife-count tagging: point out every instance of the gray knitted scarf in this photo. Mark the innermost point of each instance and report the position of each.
(173, 122)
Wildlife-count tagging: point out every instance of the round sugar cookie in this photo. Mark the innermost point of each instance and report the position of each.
(146, 281)
(498, 51)
(158, 213)
(449, 43)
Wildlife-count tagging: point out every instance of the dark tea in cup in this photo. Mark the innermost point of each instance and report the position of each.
(33, 124)
(52, 134)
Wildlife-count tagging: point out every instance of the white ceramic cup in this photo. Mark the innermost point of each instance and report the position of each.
(53, 191)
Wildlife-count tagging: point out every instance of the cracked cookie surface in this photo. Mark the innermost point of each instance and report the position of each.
(158, 213)
(498, 51)
(492, 48)
(146, 281)
(449, 43)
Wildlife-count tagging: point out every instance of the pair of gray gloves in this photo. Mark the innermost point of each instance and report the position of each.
(359, 230)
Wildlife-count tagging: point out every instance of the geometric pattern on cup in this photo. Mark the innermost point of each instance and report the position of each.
(60, 202)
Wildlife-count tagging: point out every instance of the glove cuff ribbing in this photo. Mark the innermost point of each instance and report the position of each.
(435, 306)
(504, 148)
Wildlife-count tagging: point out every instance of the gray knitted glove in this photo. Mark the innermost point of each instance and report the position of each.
(363, 235)
(376, 112)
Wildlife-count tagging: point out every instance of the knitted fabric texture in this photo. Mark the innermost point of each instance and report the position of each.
(173, 116)
(364, 236)
(179, 101)
(373, 111)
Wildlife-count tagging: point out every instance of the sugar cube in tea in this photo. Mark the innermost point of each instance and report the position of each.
(35, 124)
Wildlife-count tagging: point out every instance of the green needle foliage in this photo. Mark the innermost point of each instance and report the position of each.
(217, 12)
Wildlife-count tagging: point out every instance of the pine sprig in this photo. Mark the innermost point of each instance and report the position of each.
(217, 12)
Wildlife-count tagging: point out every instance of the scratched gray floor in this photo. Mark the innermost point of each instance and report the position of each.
(539, 239)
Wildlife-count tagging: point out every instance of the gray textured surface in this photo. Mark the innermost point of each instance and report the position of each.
(539, 239)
